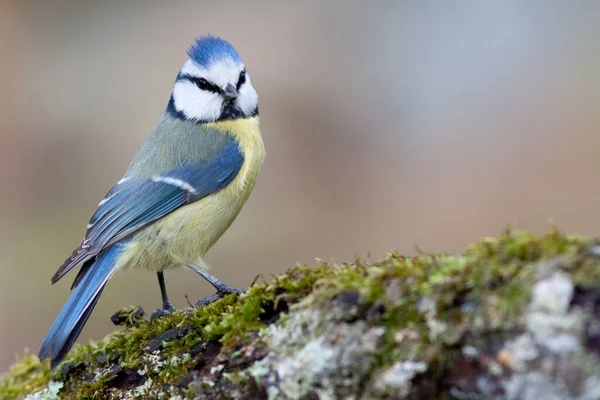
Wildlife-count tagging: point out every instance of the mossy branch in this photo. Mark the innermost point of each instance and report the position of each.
(516, 316)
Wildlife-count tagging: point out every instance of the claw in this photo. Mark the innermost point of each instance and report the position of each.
(167, 309)
(221, 292)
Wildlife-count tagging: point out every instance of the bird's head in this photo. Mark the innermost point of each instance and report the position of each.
(213, 84)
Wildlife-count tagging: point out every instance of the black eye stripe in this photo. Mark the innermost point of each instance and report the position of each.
(202, 83)
(241, 80)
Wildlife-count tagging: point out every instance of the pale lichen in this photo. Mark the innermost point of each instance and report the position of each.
(398, 378)
(315, 352)
(50, 392)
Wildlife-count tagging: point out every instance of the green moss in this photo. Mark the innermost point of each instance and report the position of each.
(458, 287)
(439, 298)
(27, 375)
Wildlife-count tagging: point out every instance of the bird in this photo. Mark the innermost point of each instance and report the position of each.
(183, 189)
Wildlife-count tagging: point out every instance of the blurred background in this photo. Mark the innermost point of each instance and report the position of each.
(388, 125)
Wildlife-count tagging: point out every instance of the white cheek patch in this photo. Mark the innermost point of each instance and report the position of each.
(196, 104)
(248, 99)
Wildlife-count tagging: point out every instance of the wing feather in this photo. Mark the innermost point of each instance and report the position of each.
(133, 204)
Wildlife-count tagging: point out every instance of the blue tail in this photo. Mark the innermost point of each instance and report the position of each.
(75, 313)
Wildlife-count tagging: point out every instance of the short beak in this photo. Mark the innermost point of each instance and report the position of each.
(229, 92)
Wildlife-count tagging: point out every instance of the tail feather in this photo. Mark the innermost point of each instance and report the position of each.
(70, 321)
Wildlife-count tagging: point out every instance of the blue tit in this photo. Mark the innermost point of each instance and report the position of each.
(183, 189)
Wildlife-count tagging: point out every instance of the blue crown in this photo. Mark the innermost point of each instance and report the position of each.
(208, 49)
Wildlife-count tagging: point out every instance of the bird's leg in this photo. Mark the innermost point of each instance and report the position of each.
(167, 307)
(222, 288)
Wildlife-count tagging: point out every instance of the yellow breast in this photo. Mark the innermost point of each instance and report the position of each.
(185, 235)
(247, 133)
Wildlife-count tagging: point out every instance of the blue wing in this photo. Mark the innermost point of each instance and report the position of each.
(133, 204)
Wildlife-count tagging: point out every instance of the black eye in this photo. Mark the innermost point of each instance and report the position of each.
(203, 84)
(241, 80)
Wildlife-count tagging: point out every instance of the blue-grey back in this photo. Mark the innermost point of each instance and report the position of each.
(174, 143)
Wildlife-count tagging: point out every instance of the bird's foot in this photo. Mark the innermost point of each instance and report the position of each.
(167, 309)
(222, 291)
